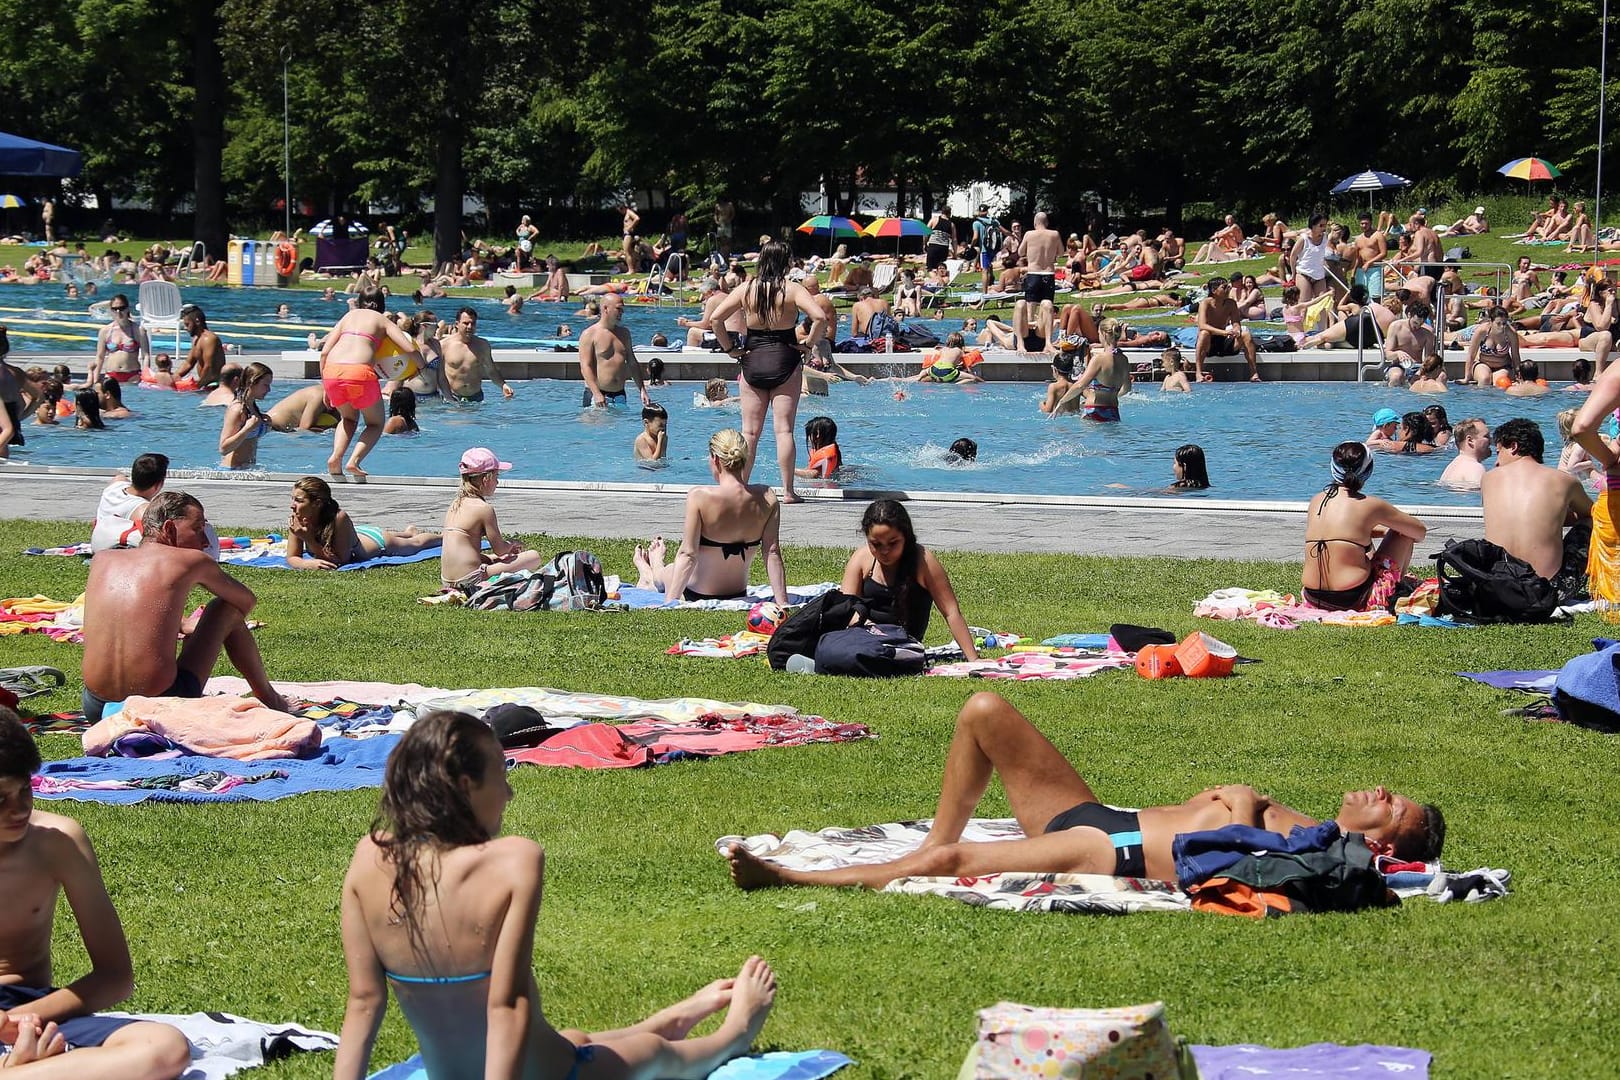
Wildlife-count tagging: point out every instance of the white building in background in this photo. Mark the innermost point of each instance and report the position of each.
(961, 202)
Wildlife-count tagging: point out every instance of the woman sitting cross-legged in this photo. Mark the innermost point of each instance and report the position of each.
(442, 907)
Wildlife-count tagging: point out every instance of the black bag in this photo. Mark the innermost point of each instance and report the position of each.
(917, 336)
(1457, 254)
(877, 650)
(1274, 342)
(1482, 583)
(803, 629)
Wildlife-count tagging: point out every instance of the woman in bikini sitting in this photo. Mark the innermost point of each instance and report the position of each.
(321, 536)
(440, 907)
(727, 524)
(121, 346)
(900, 580)
(1107, 375)
(1343, 571)
(1493, 348)
(771, 354)
(349, 375)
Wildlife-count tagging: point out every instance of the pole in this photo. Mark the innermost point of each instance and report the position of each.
(287, 148)
(1603, 81)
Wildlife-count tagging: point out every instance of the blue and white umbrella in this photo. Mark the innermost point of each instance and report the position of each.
(1370, 181)
(324, 229)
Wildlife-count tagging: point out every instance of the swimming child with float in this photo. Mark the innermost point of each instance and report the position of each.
(321, 536)
(471, 520)
(821, 435)
(952, 363)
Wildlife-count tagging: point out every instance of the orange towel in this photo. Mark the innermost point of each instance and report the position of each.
(238, 728)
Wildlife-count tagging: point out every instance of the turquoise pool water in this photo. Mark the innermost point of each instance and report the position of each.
(1267, 442)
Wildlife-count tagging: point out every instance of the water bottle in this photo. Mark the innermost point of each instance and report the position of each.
(888, 341)
(801, 665)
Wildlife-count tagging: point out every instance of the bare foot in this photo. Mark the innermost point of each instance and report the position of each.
(334, 466)
(677, 1021)
(792, 497)
(1255, 377)
(356, 472)
(644, 573)
(749, 871)
(752, 996)
(655, 551)
(34, 1043)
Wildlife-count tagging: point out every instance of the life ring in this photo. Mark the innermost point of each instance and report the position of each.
(286, 258)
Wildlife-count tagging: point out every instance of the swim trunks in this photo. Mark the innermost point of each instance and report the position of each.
(1103, 414)
(467, 399)
(80, 1031)
(944, 373)
(14, 410)
(185, 685)
(359, 394)
(586, 401)
(1039, 286)
(1222, 346)
(1122, 828)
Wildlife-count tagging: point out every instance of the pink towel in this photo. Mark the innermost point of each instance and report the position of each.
(237, 728)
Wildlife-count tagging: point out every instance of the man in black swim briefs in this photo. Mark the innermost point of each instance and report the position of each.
(1066, 828)
(606, 356)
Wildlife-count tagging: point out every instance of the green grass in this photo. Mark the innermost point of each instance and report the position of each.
(235, 907)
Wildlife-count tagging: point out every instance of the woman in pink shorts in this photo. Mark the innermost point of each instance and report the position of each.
(349, 377)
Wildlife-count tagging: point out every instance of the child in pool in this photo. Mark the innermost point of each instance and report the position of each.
(46, 411)
(1176, 381)
(821, 433)
(652, 443)
(1574, 459)
(1431, 377)
(948, 364)
(655, 366)
(470, 520)
(1581, 372)
(321, 536)
(88, 407)
(245, 423)
(163, 371)
(1192, 473)
(717, 392)
(401, 412)
(962, 451)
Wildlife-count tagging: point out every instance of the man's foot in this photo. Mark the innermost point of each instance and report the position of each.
(753, 993)
(1206, 376)
(1255, 377)
(677, 1021)
(334, 467)
(749, 871)
(356, 472)
(35, 1043)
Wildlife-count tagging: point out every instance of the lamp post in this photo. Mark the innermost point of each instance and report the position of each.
(287, 148)
(1603, 81)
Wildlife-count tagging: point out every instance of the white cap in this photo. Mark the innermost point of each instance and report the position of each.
(1479, 211)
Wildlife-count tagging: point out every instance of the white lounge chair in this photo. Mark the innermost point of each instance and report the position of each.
(883, 275)
(160, 310)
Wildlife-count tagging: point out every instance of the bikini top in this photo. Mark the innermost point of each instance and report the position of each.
(919, 605)
(1317, 549)
(729, 548)
(437, 980)
(374, 339)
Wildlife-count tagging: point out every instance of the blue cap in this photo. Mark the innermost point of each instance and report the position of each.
(1386, 416)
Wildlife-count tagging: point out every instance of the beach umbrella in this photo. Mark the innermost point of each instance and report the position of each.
(1530, 169)
(832, 226)
(896, 227)
(12, 202)
(1370, 181)
(323, 229)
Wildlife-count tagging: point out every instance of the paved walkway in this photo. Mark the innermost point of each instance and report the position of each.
(1072, 526)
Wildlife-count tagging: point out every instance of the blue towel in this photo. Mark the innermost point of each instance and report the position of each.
(1078, 641)
(652, 598)
(779, 1065)
(343, 764)
(279, 562)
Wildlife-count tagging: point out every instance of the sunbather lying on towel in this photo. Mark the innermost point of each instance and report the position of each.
(1067, 828)
(41, 856)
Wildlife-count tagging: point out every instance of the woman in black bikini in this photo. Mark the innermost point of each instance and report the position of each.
(771, 355)
(726, 526)
(902, 581)
(1343, 571)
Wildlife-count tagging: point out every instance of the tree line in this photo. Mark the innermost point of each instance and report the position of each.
(554, 108)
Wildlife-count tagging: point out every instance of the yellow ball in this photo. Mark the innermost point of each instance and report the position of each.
(393, 363)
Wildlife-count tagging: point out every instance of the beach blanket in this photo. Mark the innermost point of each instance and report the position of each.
(1531, 682)
(651, 598)
(62, 723)
(777, 1065)
(564, 709)
(236, 728)
(1032, 665)
(223, 1045)
(1319, 1061)
(728, 646)
(342, 764)
(370, 693)
(1096, 894)
(81, 549)
(273, 556)
(61, 620)
(658, 742)
(1277, 611)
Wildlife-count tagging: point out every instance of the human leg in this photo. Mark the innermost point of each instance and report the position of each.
(1200, 353)
(650, 566)
(1250, 353)
(223, 626)
(342, 432)
(375, 420)
(409, 542)
(140, 1051)
(784, 414)
(752, 404)
(1481, 375)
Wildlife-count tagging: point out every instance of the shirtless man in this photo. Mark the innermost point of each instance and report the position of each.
(1472, 439)
(1039, 250)
(468, 361)
(1067, 829)
(43, 856)
(869, 304)
(135, 600)
(206, 355)
(700, 331)
(303, 410)
(1426, 248)
(725, 217)
(1370, 247)
(1221, 331)
(631, 219)
(1408, 344)
(605, 354)
(1527, 505)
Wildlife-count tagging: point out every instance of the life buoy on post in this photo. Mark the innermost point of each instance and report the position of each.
(286, 261)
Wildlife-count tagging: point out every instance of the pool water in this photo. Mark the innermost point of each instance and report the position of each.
(1265, 442)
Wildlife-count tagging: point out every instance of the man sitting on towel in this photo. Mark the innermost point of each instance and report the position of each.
(1527, 506)
(1069, 831)
(41, 856)
(134, 604)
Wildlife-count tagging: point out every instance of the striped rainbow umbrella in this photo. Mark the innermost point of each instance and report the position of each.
(831, 226)
(896, 227)
(1530, 168)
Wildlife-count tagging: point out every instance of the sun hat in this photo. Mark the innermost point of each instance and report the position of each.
(482, 460)
(1380, 418)
(1479, 210)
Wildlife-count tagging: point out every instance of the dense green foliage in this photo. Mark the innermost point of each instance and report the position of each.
(1144, 105)
(235, 907)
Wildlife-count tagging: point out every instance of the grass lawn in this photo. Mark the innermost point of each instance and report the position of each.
(236, 907)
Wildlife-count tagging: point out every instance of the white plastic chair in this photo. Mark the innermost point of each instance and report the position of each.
(160, 310)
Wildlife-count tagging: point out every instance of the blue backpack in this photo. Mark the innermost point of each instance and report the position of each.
(877, 650)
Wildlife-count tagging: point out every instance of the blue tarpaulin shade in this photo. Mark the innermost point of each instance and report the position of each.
(28, 157)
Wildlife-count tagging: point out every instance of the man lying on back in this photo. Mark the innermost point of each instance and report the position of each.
(1068, 831)
(41, 856)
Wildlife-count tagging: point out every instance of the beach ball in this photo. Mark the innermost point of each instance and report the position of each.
(1503, 380)
(764, 617)
(392, 363)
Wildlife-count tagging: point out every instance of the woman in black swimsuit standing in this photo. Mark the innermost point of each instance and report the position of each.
(902, 581)
(771, 355)
(727, 524)
(1343, 571)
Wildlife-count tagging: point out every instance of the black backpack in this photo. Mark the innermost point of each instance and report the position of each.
(799, 635)
(882, 325)
(1482, 583)
(993, 235)
(876, 650)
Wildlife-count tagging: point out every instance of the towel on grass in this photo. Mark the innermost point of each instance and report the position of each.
(727, 647)
(237, 728)
(651, 598)
(61, 620)
(657, 741)
(1031, 665)
(1319, 1061)
(342, 765)
(562, 708)
(81, 549)
(777, 1065)
(1531, 682)
(273, 556)
(1277, 611)
(367, 693)
(223, 1045)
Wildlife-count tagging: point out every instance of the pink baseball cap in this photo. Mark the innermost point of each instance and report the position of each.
(482, 460)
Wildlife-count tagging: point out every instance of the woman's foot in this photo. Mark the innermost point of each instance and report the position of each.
(655, 552)
(334, 467)
(677, 1021)
(749, 871)
(753, 993)
(356, 471)
(644, 574)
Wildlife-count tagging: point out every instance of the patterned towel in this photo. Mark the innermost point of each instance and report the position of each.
(1276, 611)
(1097, 894)
(777, 1065)
(730, 646)
(223, 1045)
(62, 723)
(560, 705)
(1032, 665)
(658, 742)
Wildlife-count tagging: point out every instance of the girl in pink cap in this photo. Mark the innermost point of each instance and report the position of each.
(471, 520)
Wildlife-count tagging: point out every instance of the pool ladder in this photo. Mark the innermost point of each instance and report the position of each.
(191, 261)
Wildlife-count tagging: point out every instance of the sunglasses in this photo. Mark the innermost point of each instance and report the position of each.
(117, 307)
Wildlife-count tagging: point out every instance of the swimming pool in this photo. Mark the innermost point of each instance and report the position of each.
(1267, 442)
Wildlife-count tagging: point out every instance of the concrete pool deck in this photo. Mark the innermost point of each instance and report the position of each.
(1184, 527)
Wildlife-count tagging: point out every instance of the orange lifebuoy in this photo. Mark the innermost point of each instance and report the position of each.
(286, 258)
